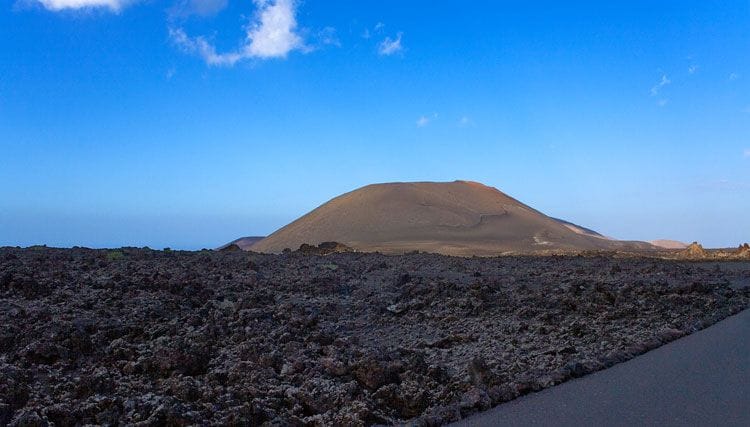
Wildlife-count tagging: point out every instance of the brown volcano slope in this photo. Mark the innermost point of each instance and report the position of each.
(243, 243)
(454, 218)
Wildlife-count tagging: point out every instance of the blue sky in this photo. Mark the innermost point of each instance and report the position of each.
(188, 123)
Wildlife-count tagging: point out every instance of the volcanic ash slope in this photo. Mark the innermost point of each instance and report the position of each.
(453, 218)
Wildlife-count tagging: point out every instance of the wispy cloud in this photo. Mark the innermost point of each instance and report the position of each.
(663, 82)
(272, 34)
(390, 46)
(423, 121)
(203, 48)
(663, 102)
(733, 76)
(746, 153)
(465, 121)
(58, 5)
(185, 8)
(692, 69)
(328, 37)
(377, 29)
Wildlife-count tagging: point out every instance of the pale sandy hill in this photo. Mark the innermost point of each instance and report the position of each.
(581, 230)
(456, 218)
(669, 244)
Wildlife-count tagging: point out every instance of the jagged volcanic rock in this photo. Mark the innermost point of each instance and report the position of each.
(237, 338)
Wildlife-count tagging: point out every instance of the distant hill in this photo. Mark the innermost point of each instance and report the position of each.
(455, 218)
(669, 244)
(581, 230)
(243, 243)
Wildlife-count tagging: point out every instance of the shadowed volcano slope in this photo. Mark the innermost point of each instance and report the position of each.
(454, 218)
(243, 243)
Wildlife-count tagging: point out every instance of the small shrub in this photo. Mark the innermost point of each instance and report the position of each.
(115, 255)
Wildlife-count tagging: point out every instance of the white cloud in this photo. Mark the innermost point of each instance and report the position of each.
(57, 5)
(692, 69)
(746, 153)
(390, 46)
(663, 82)
(663, 102)
(733, 77)
(272, 34)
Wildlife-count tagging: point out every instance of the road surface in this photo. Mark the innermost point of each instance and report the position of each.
(702, 379)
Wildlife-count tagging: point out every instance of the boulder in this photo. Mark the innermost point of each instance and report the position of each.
(324, 248)
(694, 250)
(744, 251)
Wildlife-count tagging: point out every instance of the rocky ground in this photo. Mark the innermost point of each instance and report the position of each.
(177, 338)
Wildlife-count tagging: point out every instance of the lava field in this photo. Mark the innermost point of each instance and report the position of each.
(133, 336)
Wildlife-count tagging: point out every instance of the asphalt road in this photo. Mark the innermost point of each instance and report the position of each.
(699, 380)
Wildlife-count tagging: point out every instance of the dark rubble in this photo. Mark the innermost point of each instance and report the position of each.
(136, 336)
